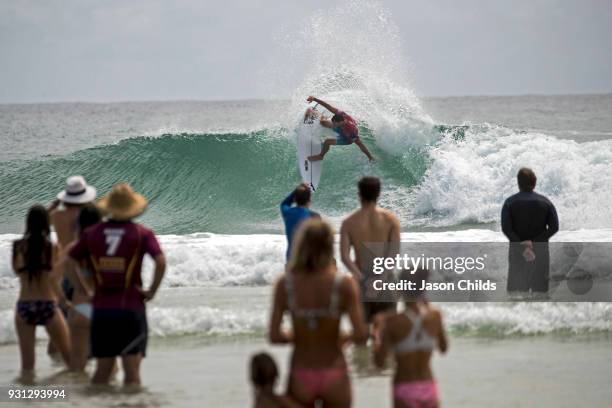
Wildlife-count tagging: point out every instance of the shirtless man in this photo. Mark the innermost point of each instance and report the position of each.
(73, 198)
(369, 224)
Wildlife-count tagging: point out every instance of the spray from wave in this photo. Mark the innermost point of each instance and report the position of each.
(351, 56)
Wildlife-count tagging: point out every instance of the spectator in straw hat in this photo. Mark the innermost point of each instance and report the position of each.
(114, 251)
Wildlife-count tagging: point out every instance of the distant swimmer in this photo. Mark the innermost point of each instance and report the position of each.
(344, 125)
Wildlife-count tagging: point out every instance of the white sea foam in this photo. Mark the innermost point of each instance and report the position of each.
(205, 320)
(469, 179)
(483, 319)
(7, 326)
(200, 259)
(237, 265)
(174, 321)
(205, 259)
(225, 260)
(528, 318)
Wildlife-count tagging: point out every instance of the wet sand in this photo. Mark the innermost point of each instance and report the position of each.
(191, 371)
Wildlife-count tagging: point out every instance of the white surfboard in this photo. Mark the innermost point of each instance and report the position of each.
(308, 144)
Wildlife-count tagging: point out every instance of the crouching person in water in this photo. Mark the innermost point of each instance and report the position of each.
(317, 296)
(411, 335)
(114, 251)
(264, 376)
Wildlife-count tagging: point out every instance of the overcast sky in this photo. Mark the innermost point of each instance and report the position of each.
(69, 50)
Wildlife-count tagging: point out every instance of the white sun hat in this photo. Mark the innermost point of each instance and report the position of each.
(77, 191)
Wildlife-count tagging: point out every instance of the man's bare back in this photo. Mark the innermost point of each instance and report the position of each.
(369, 224)
(65, 223)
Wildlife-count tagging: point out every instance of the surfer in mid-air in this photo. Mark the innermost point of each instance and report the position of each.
(343, 125)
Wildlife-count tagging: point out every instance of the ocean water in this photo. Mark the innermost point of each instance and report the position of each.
(215, 183)
(206, 172)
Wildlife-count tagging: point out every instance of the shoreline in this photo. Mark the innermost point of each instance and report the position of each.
(476, 372)
(203, 314)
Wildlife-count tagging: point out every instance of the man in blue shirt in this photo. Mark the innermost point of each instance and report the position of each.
(294, 215)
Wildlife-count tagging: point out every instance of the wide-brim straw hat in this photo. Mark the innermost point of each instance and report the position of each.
(123, 203)
(77, 191)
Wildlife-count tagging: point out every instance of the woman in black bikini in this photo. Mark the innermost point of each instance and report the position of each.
(33, 257)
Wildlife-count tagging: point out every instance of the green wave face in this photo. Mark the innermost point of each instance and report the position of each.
(223, 183)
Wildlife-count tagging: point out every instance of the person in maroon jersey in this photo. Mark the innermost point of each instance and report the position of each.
(114, 251)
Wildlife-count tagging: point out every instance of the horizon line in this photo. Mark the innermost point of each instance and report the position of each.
(252, 99)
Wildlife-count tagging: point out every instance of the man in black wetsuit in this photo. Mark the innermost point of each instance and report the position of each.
(528, 220)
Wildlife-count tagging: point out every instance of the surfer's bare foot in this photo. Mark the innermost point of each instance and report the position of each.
(316, 157)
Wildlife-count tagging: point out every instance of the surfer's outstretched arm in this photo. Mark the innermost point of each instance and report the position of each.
(364, 149)
(323, 103)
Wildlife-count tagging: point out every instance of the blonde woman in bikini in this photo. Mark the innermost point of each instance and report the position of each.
(316, 296)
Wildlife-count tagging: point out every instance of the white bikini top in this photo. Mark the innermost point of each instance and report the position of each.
(418, 339)
(314, 313)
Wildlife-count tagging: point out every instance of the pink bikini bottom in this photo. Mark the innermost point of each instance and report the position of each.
(316, 380)
(417, 394)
